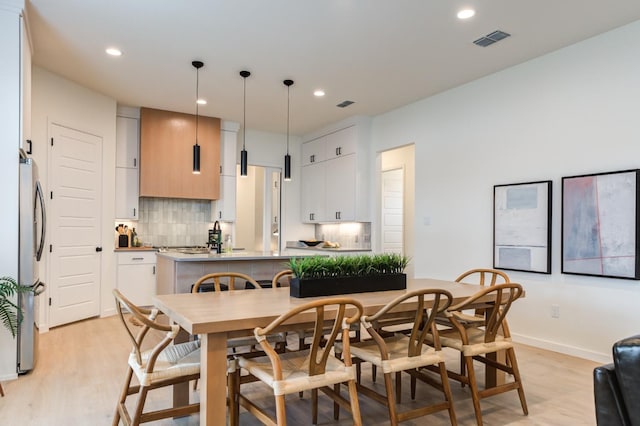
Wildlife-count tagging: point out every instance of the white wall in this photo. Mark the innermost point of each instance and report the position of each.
(573, 111)
(57, 100)
(9, 145)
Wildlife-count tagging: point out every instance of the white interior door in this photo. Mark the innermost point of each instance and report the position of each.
(75, 181)
(392, 211)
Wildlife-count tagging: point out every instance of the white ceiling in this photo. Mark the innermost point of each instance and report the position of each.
(381, 54)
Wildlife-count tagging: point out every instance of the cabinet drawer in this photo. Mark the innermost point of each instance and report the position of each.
(135, 258)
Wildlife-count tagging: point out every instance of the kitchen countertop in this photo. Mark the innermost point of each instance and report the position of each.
(117, 249)
(330, 249)
(235, 256)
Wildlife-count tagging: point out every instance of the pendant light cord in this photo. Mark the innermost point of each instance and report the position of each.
(288, 109)
(197, 99)
(244, 111)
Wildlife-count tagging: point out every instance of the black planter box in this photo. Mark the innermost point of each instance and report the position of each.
(345, 285)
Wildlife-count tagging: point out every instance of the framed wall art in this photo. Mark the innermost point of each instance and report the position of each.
(522, 227)
(600, 224)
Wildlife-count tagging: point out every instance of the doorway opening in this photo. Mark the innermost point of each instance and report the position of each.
(257, 226)
(396, 202)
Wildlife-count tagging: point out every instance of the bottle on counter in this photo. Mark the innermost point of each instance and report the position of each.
(135, 241)
(228, 247)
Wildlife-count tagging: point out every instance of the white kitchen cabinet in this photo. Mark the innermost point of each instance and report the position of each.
(313, 152)
(127, 170)
(313, 193)
(127, 201)
(127, 142)
(225, 206)
(136, 276)
(340, 187)
(342, 142)
(25, 88)
(336, 188)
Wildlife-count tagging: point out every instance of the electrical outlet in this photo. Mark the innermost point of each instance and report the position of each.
(555, 311)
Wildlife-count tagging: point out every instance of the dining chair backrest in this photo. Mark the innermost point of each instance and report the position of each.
(428, 304)
(223, 281)
(284, 275)
(145, 319)
(317, 312)
(483, 276)
(499, 299)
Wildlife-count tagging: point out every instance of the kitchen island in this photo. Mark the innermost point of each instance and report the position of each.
(176, 272)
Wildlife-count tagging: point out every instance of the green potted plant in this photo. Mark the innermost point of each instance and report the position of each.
(324, 276)
(10, 312)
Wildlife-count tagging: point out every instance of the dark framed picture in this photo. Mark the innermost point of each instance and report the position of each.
(522, 226)
(600, 224)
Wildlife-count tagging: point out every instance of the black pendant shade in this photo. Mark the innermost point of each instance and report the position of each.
(196, 159)
(287, 167)
(243, 154)
(287, 157)
(196, 148)
(243, 162)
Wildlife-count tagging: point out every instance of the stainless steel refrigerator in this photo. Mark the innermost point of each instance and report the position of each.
(31, 246)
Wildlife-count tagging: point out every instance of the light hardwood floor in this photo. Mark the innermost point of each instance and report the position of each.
(82, 366)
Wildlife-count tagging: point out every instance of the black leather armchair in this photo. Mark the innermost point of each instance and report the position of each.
(617, 386)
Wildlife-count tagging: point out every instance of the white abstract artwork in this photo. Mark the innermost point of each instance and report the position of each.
(521, 222)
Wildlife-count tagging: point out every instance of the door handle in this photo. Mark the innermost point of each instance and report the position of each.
(44, 221)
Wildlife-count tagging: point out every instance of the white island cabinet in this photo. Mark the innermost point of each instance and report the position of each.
(136, 277)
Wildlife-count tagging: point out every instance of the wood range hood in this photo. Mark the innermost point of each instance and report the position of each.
(166, 148)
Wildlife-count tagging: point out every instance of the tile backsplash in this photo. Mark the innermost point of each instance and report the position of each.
(174, 222)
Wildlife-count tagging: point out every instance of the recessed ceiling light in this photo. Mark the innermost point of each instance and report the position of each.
(466, 13)
(113, 51)
(201, 101)
(319, 93)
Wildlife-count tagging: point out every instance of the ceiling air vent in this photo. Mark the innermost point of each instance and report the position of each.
(344, 104)
(491, 38)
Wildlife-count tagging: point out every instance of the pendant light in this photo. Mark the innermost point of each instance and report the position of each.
(243, 153)
(196, 147)
(287, 157)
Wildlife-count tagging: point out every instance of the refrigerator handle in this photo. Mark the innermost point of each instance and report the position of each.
(40, 196)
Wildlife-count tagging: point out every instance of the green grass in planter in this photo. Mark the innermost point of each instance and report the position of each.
(347, 266)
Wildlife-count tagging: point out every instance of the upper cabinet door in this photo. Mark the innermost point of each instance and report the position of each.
(313, 151)
(127, 141)
(342, 142)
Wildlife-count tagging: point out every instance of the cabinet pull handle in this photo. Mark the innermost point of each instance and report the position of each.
(134, 212)
(220, 214)
(154, 269)
(135, 162)
(137, 258)
(337, 151)
(312, 158)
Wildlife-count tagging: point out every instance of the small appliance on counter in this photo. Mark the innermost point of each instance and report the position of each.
(215, 238)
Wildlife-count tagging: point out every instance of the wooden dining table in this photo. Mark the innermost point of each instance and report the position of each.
(217, 316)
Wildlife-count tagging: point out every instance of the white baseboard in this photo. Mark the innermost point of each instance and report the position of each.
(7, 377)
(108, 313)
(563, 349)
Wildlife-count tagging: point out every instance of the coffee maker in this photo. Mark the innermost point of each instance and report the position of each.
(215, 238)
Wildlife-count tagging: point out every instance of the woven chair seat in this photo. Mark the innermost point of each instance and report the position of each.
(477, 345)
(295, 367)
(398, 360)
(174, 361)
